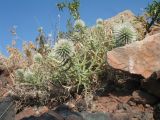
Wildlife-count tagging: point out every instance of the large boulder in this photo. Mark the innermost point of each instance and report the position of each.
(140, 57)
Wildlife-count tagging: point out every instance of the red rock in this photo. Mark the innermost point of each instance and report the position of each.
(142, 97)
(27, 112)
(140, 57)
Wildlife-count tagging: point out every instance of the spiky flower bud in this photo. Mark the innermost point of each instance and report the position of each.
(79, 23)
(64, 49)
(40, 29)
(37, 57)
(20, 73)
(28, 75)
(124, 33)
(99, 21)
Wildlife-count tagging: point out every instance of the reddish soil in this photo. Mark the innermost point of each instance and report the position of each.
(116, 101)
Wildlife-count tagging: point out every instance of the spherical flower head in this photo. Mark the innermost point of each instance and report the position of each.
(37, 57)
(28, 75)
(79, 23)
(52, 56)
(99, 21)
(20, 73)
(64, 48)
(76, 36)
(125, 33)
(99, 26)
(47, 46)
(40, 29)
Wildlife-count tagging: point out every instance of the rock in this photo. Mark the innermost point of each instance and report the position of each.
(53, 115)
(140, 57)
(121, 116)
(31, 111)
(144, 98)
(152, 86)
(73, 117)
(46, 116)
(7, 109)
(132, 115)
(147, 106)
(67, 113)
(124, 107)
(154, 30)
(156, 113)
(95, 116)
(81, 105)
(131, 103)
(142, 116)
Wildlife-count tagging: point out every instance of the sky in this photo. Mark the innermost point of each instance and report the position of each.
(28, 15)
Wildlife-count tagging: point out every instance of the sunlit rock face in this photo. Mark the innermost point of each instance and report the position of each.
(140, 57)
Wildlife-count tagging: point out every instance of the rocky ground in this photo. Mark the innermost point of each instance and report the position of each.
(127, 103)
(121, 100)
(124, 101)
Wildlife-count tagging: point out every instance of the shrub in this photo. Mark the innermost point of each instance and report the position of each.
(37, 57)
(75, 61)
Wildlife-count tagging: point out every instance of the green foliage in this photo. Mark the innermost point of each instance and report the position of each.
(79, 24)
(153, 9)
(90, 46)
(72, 6)
(41, 40)
(152, 12)
(37, 57)
(124, 33)
(74, 61)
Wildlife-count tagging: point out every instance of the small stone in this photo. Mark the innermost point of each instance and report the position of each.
(96, 116)
(132, 103)
(147, 105)
(74, 117)
(142, 97)
(124, 107)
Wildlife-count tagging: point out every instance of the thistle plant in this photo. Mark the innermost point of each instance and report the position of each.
(37, 57)
(99, 21)
(28, 76)
(64, 49)
(20, 74)
(72, 62)
(79, 32)
(79, 23)
(124, 33)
